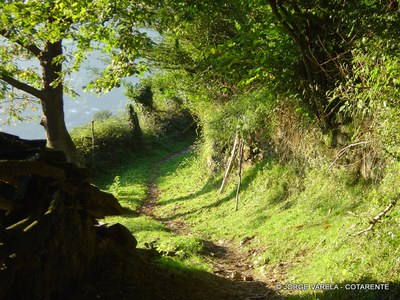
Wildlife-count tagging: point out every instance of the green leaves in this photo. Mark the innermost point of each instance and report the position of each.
(226, 47)
(28, 28)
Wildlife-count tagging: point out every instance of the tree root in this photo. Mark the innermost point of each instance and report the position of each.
(379, 216)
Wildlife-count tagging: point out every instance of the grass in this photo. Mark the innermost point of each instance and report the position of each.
(127, 181)
(303, 223)
(299, 223)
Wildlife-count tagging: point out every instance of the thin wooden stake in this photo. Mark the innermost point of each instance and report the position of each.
(230, 161)
(93, 142)
(239, 174)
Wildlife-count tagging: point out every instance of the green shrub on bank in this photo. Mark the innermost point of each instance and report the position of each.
(102, 115)
(111, 138)
(161, 114)
(114, 137)
(249, 115)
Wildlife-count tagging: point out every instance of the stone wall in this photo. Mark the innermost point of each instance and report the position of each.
(49, 233)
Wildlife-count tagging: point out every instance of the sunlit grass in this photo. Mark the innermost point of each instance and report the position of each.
(303, 221)
(128, 183)
(307, 222)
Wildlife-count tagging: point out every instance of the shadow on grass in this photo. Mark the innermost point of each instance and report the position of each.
(135, 159)
(135, 229)
(210, 186)
(145, 276)
(129, 213)
(364, 289)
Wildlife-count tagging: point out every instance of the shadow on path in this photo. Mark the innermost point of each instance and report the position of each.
(232, 273)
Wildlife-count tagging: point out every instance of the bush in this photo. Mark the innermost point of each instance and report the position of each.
(161, 113)
(249, 115)
(371, 104)
(111, 138)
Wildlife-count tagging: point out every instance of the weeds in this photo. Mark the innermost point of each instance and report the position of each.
(115, 187)
(300, 222)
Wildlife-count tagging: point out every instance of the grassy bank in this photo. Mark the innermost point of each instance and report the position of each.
(301, 227)
(298, 226)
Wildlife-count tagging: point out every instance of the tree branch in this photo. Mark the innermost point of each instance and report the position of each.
(294, 35)
(343, 150)
(22, 86)
(379, 216)
(35, 50)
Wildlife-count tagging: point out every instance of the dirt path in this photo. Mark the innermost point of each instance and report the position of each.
(152, 191)
(228, 260)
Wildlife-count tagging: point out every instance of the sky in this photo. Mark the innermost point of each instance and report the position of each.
(78, 111)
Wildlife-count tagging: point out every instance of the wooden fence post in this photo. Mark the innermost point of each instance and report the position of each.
(239, 173)
(93, 140)
(230, 162)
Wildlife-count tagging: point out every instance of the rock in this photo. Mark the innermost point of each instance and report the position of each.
(246, 240)
(236, 276)
(49, 236)
(248, 278)
(257, 297)
(12, 147)
(96, 202)
(119, 234)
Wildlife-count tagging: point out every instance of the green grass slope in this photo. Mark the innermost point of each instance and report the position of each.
(302, 226)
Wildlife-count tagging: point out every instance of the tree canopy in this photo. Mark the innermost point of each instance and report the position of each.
(59, 35)
(313, 55)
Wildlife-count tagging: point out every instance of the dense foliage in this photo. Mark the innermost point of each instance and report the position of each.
(282, 72)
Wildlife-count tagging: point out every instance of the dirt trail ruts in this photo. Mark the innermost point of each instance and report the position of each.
(228, 260)
(152, 192)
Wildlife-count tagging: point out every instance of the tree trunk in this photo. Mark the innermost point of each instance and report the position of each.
(52, 102)
(134, 126)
